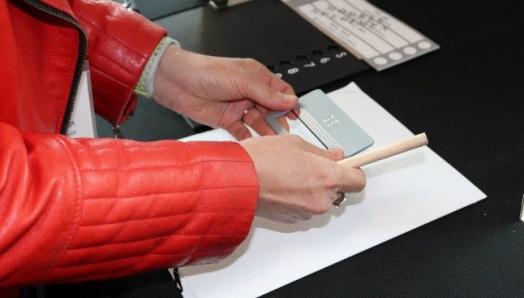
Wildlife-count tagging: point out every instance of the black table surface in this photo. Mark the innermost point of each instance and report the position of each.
(469, 98)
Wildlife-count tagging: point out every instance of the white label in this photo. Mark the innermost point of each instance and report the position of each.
(82, 122)
(365, 30)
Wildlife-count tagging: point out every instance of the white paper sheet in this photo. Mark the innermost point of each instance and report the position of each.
(402, 193)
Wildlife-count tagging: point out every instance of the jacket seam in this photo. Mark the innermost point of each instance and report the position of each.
(141, 255)
(147, 145)
(170, 193)
(120, 259)
(111, 61)
(76, 219)
(159, 238)
(154, 238)
(108, 77)
(162, 167)
(104, 32)
(128, 221)
(123, 99)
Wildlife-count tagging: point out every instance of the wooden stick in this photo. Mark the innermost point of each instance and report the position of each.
(401, 146)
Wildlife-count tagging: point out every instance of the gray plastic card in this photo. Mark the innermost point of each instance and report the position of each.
(329, 124)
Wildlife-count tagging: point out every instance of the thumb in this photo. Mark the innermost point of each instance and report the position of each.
(268, 97)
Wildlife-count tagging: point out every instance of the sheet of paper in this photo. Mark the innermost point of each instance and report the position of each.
(402, 193)
(365, 30)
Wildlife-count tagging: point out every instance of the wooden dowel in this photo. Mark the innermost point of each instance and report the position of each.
(401, 146)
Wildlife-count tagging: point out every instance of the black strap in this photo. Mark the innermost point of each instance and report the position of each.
(158, 283)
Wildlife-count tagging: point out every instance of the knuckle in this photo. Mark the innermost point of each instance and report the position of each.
(252, 63)
(320, 206)
(329, 179)
(359, 180)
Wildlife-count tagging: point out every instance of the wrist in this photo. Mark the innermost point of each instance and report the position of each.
(146, 84)
(251, 147)
(168, 67)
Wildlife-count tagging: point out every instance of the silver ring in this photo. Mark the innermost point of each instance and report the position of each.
(341, 197)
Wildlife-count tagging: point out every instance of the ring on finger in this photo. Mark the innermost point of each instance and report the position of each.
(341, 197)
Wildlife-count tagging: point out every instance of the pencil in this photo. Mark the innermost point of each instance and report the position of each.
(392, 149)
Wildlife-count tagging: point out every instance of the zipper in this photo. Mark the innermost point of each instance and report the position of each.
(82, 53)
(177, 280)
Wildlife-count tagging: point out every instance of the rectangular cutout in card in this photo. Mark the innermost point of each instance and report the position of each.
(365, 30)
(331, 126)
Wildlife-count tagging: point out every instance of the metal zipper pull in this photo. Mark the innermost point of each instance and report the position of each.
(117, 132)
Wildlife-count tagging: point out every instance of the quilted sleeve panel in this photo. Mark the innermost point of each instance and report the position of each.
(149, 205)
(74, 210)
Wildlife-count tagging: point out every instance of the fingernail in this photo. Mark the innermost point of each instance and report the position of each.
(290, 98)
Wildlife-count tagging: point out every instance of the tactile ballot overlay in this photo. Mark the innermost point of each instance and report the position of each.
(365, 30)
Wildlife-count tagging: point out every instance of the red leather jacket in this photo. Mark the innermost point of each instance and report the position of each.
(82, 209)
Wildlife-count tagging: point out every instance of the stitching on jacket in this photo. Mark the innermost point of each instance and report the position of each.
(171, 193)
(146, 254)
(101, 72)
(105, 262)
(105, 91)
(183, 192)
(101, 146)
(101, 30)
(113, 110)
(108, 59)
(76, 219)
(221, 212)
(172, 234)
(139, 255)
(119, 259)
(164, 167)
(125, 242)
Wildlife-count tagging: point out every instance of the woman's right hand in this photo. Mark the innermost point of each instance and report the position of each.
(297, 179)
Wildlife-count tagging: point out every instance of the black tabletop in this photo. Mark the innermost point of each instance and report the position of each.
(468, 96)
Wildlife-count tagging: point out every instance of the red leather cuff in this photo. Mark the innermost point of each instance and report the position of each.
(119, 45)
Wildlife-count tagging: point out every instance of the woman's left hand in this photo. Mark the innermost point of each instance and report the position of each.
(221, 92)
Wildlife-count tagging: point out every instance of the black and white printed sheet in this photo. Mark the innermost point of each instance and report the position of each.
(365, 30)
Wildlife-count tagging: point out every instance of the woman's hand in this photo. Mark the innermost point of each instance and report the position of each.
(221, 92)
(297, 179)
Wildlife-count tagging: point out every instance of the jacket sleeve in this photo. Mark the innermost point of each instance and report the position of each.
(119, 45)
(84, 209)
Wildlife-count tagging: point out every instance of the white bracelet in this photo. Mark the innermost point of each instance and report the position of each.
(145, 85)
